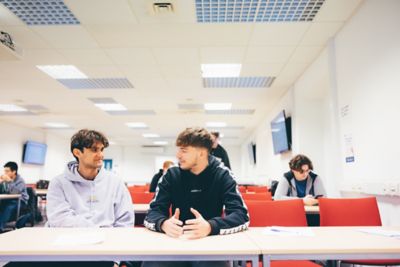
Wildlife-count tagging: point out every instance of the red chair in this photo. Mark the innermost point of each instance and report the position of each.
(257, 196)
(141, 198)
(242, 189)
(138, 188)
(281, 213)
(257, 189)
(352, 212)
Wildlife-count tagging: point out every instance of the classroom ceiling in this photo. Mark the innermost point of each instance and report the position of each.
(148, 59)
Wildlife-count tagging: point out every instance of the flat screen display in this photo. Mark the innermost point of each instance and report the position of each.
(280, 133)
(34, 153)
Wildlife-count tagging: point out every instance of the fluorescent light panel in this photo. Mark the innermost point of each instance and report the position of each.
(151, 135)
(56, 125)
(111, 106)
(12, 108)
(220, 70)
(160, 143)
(62, 71)
(217, 106)
(137, 125)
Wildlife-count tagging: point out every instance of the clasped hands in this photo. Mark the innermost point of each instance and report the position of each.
(193, 229)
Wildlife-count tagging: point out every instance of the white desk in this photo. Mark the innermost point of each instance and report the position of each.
(329, 243)
(41, 192)
(311, 209)
(124, 244)
(141, 208)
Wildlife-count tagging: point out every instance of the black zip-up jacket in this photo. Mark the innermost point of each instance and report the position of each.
(210, 192)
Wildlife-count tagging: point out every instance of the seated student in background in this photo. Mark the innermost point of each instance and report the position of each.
(11, 183)
(87, 195)
(218, 151)
(198, 190)
(157, 176)
(300, 182)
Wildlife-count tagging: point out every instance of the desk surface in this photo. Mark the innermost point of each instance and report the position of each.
(141, 208)
(118, 243)
(9, 196)
(311, 209)
(41, 192)
(338, 241)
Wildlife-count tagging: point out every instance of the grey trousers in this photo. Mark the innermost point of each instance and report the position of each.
(186, 264)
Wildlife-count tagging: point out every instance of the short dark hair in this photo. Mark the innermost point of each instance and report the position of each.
(12, 165)
(298, 161)
(86, 138)
(216, 134)
(196, 137)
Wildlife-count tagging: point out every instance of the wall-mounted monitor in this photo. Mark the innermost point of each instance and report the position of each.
(281, 133)
(251, 147)
(34, 153)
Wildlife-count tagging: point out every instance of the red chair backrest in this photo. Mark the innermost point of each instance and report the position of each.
(349, 212)
(257, 196)
(141, 198)
(138, 188)
(280, 213)
(257, 189)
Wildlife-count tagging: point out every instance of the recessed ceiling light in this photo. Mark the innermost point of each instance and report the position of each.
(62, 71)
(58, 125)
(160, 143)
(218, 124)
(151, 135)
(220, 70)
(137, 125)
(218, 106)
(11, 108)
(111, 106)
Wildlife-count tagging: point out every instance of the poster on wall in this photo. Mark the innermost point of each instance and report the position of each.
(108, 164)
(349, 150)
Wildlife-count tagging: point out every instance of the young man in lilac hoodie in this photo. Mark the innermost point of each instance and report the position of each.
(87, 195)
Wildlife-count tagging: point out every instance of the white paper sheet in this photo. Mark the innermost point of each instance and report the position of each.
(288, 231)
(79, 239)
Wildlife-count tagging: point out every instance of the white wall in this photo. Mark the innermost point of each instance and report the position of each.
(356, 74)
(12, 139)
(136, 166)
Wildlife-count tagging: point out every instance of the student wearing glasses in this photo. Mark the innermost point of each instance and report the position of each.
(300, 182)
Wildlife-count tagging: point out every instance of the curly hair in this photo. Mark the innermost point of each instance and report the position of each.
(86, 138)
(196, 137)
(298, 161)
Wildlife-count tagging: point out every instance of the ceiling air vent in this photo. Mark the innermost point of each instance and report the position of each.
(163, 8)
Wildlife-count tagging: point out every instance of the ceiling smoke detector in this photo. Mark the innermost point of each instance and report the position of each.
(163, 8)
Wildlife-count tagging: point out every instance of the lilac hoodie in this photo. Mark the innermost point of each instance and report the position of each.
(73, 201)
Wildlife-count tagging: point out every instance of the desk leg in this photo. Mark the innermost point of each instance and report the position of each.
(266, 260)
(18, 208)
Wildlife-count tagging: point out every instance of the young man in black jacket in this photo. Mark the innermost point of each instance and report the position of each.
(198, 191)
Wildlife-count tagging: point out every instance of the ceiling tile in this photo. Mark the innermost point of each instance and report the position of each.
(85, 56)
(24, 37)
(106, 12)
(319, 33)
(268, 54)
(278, 33)
(177, 55)
(337, 10)
(222, 55)
(8, 18)
(135, 56)
(261, 69)
(66, 36)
